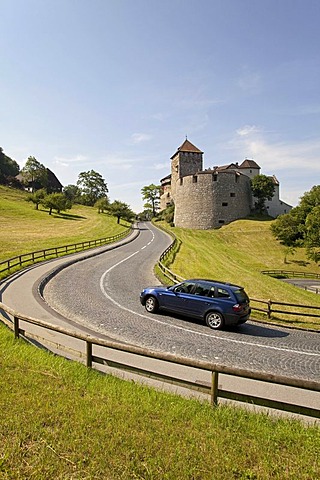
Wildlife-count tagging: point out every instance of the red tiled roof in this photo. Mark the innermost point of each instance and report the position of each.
(249, 164)
(187, 147)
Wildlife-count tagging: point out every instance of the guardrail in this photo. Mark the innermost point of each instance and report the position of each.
(45, 254)
(211, 388)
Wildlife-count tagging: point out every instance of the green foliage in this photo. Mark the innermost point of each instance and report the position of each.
(92, 186)
(37, 197)
(102, 204)
(121, 210)
(167, 214)
(73, 193)
(8, 168)
(56, 201)
(301, 226)
(262, 189)
(151, 193)
(35, 174)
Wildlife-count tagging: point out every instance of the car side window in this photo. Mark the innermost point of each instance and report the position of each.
(222, 293)
(184, 287)
(202, 290)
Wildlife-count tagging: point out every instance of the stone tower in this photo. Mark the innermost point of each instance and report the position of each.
(186, 161)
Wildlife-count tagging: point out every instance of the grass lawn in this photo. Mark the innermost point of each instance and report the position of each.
(61, 421)
(24, 229)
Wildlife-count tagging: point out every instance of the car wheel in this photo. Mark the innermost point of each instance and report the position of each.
(151, 305)
(215, 320)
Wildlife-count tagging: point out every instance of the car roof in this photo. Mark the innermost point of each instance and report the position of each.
(214, 282)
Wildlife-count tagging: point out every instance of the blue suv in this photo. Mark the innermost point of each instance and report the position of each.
(217, 303)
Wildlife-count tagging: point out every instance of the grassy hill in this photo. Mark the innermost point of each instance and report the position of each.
(24, 229)
(237, 253)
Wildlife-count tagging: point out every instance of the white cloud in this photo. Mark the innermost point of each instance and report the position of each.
(66, 161)
(246, 130)
(137, 138)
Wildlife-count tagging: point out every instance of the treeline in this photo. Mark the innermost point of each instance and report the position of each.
(45, 189)
(301, 226)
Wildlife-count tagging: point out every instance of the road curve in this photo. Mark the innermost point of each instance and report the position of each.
(102, 293)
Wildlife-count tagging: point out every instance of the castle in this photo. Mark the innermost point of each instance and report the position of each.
(210, 198)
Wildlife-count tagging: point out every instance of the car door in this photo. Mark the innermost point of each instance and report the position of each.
(198, 301)
(176, 298)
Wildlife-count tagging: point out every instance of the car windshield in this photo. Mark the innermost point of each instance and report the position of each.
(241, 296)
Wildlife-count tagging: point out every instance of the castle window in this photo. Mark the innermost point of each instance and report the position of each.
(181, 181)
(221, 221)
(194, 179)
(215, 177)
(232, 194)
(224, 204)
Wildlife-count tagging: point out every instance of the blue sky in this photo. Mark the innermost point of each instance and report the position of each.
(116, 85)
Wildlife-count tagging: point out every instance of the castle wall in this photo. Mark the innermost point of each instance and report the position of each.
(183, 164)
(209, 200)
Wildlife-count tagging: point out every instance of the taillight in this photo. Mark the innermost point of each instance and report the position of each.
(237, 308)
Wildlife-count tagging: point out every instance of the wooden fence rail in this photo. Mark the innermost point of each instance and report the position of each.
(13, 320)
(47, 253)
(291, 274)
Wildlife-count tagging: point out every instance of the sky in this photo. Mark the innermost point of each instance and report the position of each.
(117, 85)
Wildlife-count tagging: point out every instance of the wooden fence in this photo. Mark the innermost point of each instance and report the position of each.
(46, 254)
(20, 324)
(269, 304)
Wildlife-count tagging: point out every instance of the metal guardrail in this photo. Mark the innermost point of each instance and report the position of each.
(215, 370)
(46, 254)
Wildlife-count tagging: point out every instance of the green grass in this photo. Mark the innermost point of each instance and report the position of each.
(237, 253)
(60, 420)
(24, 229)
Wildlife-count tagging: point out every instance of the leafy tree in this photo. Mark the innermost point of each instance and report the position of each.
(8, 168)
(121, 210)
(167, 214)
(102, 204)
(301, 226)
(151, 193)
(73, 193)
(92, 186)
(312, 240)
(37, 197)
(289, 228)
(262, 189)
(56, 201)
(35, 173)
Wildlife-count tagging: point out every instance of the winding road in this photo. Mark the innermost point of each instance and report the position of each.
(100, 294)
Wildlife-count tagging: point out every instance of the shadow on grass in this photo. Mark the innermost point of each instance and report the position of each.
(66, 216)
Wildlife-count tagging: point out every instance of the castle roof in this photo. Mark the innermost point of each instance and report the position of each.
(249, 164)
(187, 147)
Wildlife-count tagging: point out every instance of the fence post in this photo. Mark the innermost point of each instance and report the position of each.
(269, 308)
(16, 327)
(89, 354)
(214, 388)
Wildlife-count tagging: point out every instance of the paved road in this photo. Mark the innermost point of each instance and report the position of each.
(101, 294)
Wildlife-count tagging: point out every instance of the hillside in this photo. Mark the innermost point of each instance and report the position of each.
(24, 229)
(237, 253)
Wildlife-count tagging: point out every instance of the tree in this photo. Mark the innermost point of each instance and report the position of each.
(262, 189)
(121, 210)
(56, 201)
(102, 204)
(36, 197)
(73, 193)
(8, 168)
(151, 193)
(35, 173)
(92, 186)
(312, 240)
(301, 226)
